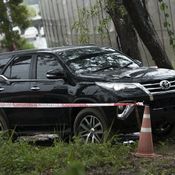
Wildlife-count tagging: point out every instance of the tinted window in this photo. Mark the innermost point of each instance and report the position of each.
(19, 68)
(46, 63)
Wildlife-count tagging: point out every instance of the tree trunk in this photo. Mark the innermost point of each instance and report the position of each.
(146, 31)
(124, 28)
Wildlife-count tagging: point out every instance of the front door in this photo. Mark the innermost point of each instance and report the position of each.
(46, 90)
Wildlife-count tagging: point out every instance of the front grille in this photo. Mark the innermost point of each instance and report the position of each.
(155, 88)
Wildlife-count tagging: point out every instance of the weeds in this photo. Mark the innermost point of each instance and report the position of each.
(76, 158)
(22, 158)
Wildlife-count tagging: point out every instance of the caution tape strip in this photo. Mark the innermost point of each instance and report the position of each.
(64, 105)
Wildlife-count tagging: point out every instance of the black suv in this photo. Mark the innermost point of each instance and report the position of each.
(82, 74)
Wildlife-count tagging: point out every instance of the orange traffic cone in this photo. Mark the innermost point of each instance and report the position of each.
(145, 146)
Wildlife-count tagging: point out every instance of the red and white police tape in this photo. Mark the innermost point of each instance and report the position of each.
(64, 105)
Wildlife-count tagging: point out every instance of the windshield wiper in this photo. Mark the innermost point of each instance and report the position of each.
(113, 66)
(107, 67)
(126, 65)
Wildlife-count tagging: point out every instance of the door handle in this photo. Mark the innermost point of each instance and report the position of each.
(1, 89)
(35, 88)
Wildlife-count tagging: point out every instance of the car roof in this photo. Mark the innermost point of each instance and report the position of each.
(48, 50)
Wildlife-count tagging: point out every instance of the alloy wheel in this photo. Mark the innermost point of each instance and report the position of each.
(91, 129)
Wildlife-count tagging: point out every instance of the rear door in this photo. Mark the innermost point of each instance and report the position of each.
(16, 88)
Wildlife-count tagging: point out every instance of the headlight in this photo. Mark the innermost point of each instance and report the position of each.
(118, 86)
(128, 88)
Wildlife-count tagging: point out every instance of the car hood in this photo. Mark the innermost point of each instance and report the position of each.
(142, 74)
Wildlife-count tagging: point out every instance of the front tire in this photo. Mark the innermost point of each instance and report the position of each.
(164, 129)
(90, 125)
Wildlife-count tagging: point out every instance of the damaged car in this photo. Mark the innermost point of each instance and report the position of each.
(83, 74)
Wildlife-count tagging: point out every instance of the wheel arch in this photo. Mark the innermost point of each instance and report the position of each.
(75, 111)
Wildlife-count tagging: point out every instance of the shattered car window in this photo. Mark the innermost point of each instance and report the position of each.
(97, 60)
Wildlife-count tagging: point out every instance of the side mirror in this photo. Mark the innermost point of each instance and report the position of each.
(55, 74)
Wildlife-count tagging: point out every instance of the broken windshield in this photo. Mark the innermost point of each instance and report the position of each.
(101, 60)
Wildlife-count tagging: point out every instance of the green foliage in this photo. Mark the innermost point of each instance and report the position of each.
(62, 158)
(16, 15)
(19, 15)
(23, 44)
(167, 24)
(102, 28)
(76, 158)
(110, 4)
(96, 11)
(116, 7)
(76, 168)
(81, 25)
(84, 16)
(31, 11)
(122, 11)
(20, 43)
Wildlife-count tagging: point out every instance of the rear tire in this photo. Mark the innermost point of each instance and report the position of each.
(90, 125)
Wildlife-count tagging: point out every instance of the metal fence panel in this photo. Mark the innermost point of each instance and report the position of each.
(60, 15)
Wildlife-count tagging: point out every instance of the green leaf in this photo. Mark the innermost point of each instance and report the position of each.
(162, 6)
(167, 15)
(165, 24)
(171, 41)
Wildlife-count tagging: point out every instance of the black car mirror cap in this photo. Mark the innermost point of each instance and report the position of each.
(55, 74)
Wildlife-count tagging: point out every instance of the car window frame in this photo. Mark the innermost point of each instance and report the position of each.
(10, 58)
(34, 75)
(11, 62)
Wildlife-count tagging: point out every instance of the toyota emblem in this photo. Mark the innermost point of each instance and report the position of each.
(165, 84)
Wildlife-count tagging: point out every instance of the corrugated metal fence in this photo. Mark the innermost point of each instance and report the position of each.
(60, 15)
